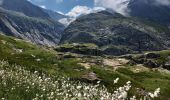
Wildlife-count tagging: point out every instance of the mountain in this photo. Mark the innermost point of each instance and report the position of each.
(151, 10)
(37, 30)
(54, 15)
(24, 7)
(113, 32)
(22, 19)
(63, 19)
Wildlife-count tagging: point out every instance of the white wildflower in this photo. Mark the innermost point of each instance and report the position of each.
(79, 87)
(129, 82)
(116, 80)
(38, 60)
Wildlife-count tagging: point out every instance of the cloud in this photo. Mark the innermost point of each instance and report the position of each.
(1, 2)
(66, 21)
(83, 10)
(60, 12)
(43, 6)
(163, 2)
(120, 6)
(36, 0)
(78, 11)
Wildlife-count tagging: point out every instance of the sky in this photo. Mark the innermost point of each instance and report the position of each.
(75, 8)
(63, 6)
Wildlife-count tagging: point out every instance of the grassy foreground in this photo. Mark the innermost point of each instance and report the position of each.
(32, 58)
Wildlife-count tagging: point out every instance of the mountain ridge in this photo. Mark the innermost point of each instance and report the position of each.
(104, 28)
(39, 31)
(22, 19)
(24, 7)
(150, 10)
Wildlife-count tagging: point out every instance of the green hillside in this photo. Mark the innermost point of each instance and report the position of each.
(89, 69)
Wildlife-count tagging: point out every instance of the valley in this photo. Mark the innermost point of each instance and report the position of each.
(101, 55)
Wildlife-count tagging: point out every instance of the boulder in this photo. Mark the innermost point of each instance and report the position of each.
(151, 64)
(91, 77)
(167, 65)
(152, 55)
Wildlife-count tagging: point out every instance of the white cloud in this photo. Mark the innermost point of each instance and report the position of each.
(163, 2)
(36, 0)
(1, 2)
(43, 6)
(83, 10)
(66, 21)
(78, 11)
(120, 6)
(60, 12)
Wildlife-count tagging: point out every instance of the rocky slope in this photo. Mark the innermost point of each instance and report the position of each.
(24, 7)
(55, 15)
(114, 32)
(37, 30)
(152, 10)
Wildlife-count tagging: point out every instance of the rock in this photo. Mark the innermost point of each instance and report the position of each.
(84, 49)
(152, 55)
(167, 65)
(69, 56)
(151, 64)
(91, 77)
(39, 31)
(18, 50)
(168, 57)
(86, 65)
(127, 56)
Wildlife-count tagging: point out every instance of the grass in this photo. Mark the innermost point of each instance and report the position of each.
(151, 80)
(69, 67)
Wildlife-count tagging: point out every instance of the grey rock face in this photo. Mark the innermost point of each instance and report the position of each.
(37, 30)
(25, 7)
(114, 32)
(150, 10)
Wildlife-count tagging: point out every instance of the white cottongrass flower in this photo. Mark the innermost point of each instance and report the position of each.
(79, 87)
(33, 55)
(123, 95)
(116, 80)
(51, 87)
(129, 82)
(38, 60)
(155, 94)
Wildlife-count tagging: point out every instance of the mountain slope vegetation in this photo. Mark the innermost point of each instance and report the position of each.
(33, 58)
(110, 31)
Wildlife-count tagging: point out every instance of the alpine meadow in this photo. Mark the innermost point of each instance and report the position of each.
(84, 49)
